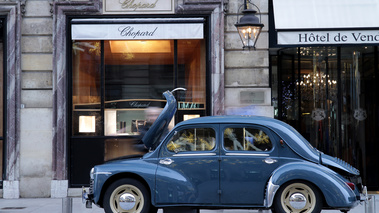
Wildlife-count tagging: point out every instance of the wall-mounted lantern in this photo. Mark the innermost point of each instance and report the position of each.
(249, 26)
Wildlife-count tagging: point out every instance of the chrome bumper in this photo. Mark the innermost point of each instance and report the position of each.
(363, 194)
(86, 198)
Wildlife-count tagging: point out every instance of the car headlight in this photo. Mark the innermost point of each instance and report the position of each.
(92, 173)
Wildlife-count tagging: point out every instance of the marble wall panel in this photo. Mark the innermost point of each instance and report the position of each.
(36, 99)
(37, 8)
(37, 44)
(39, 62)
(37, 26)
(244, 59)
(36, 152)
(247, 77)
(37, 80)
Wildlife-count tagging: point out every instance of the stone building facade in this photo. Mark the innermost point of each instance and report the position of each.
(35, 151)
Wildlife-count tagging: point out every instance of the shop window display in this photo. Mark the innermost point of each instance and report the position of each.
(115, 83)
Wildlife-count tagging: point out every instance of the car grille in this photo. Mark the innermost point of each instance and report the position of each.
(90, 189)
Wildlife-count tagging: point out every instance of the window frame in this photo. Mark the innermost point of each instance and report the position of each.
(169, 140)
(165, 151)
(248, 126)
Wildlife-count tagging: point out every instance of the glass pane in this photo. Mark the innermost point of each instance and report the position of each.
(86, 84)
(200, 139)
(288, 66)
(136, 75)
(274, 85)
(1, 91)
(359, 110)
(369, 104)
(192, 74)
(138, 69)
(246, 139)
(319, 102)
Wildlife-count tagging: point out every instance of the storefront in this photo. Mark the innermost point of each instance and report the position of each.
(119, 69)
(323, 74)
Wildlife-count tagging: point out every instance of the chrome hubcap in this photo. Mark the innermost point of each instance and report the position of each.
(298, 201)
(127, 201)
(298, 198)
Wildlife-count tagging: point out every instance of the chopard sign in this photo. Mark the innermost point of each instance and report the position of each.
(138, 6)
(129, 31)
(134, 5)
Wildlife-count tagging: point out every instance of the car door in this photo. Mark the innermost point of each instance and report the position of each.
(188, 167)
(248, 158)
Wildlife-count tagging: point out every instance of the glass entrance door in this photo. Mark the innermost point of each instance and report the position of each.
(317, 85)
(329, 95)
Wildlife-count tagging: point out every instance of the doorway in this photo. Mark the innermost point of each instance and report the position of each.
(327, 94)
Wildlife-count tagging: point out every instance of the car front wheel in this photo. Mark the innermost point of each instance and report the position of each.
(127, 196)
(298, 197)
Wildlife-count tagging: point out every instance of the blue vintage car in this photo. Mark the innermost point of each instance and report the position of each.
(224, 162)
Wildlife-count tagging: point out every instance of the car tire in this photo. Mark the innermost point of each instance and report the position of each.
(127, 195)
(298, 197)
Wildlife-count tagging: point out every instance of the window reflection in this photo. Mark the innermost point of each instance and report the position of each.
(189, 140)
(246, 139)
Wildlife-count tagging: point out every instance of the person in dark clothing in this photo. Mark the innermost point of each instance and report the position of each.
(151, 114)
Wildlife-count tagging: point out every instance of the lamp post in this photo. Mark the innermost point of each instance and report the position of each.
(249, 26)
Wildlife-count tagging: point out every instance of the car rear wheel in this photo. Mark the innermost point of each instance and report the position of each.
(298, 197)
(127, 196)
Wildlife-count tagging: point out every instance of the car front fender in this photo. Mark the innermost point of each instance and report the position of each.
(105, 174)
(336, 192)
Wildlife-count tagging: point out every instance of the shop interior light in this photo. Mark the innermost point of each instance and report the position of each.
(187, 117)
(249, 26)
(141, 46)
(87, 124)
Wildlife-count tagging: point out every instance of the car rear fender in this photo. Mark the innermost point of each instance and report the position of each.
(333, 186)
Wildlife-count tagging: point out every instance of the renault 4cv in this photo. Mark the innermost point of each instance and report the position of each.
(221, 162)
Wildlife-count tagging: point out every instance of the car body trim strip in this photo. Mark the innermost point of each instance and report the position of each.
(246, 154)
(195, 154)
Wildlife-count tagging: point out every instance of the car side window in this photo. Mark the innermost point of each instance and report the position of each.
(246, 139)
(193, 139)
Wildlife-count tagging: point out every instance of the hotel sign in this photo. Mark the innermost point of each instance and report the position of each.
(328, 37)
(138, 6)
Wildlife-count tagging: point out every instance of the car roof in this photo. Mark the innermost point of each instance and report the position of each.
(247, 119)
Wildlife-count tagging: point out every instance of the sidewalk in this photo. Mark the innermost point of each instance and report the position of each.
(51, 205)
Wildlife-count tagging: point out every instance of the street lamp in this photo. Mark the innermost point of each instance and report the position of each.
(249, 26)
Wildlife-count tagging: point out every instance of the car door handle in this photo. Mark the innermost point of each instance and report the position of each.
(166, 161)
(270, 161)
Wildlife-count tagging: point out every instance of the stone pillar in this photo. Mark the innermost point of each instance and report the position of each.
(59, 184)
(12, 10)
(36, 100)
(247, 86)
